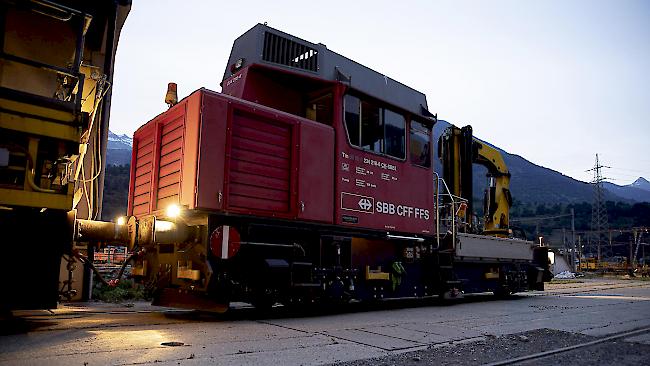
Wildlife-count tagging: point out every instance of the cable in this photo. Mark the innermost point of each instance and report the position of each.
(539, 218)
(87, 261)
(90, 264)
(126, 262)
(85, 190)
(98, 152)
(29, 173)
(94, 189)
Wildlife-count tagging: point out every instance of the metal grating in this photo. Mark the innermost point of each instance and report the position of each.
(284, 51)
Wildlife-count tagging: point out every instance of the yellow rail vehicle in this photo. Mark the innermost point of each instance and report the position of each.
(56, 65)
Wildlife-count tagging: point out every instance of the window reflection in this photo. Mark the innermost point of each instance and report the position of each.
(374, 128)
(420, 144)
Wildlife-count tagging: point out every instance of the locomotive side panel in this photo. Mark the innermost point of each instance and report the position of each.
(377, 184)
(380, 193)
(212, 152)
(316, 172)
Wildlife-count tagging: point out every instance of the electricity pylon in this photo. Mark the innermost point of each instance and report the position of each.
(598, 245)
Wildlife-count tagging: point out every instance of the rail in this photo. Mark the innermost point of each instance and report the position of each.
(525, 359)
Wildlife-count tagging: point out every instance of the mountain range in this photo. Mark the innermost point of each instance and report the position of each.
(530, 183)
(641, 183)
(118, 151)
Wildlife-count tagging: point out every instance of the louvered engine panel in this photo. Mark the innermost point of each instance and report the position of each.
(157, 161)
(170, 163)
(260, 165)
(142, 172)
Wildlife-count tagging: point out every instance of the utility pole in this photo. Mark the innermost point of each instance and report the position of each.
(629, 261)
(638, 234)
(599, 225)
(565, 245)
(579, 252)
(573, 240)
(610, 242)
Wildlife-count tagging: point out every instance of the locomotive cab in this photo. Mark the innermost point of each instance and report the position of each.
(377, 122)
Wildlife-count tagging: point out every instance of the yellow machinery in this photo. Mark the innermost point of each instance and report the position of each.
(615, 266)
(458, 150)
(56, 65)
(497, 196)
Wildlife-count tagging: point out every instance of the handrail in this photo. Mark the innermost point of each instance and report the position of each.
(454, 200)
(37, 64)
(437, 209)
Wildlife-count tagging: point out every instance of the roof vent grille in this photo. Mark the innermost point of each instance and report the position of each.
(284, 51)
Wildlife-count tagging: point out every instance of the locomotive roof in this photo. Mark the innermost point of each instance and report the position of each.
(267, 46)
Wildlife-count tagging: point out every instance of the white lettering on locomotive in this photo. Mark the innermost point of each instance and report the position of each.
(380, 164)
(388, 208)
(233, 80)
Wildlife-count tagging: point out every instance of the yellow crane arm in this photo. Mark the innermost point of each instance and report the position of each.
(498, 199)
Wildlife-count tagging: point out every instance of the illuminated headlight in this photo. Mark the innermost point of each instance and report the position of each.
(164, 226)
(173, 211)
(121, 220)
(551, 258)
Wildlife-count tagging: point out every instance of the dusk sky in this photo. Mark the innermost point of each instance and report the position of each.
(553, 81)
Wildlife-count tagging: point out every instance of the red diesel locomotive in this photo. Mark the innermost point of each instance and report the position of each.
(308, 178)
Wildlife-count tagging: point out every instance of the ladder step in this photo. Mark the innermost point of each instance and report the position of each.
(446, 267)
(306, 285)
(301, 264)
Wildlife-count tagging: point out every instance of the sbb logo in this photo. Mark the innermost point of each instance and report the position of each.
(385, 208)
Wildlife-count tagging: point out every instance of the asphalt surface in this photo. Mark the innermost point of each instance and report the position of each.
(518, 348)
(476, 330)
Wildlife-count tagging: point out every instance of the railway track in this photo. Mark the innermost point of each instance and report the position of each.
(545, 354)
(82, 318)
(80, 312)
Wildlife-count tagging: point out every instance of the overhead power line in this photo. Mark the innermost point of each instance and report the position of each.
(540, 218)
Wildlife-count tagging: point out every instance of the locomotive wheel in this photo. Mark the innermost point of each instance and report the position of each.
(264, 299)
(450, 294)
(503, 293)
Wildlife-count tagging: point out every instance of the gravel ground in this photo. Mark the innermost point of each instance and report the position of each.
(493, 349)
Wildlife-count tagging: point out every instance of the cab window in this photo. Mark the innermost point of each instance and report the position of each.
(352, 119)
(375, 128)
(420, 144)
(372, 131)
(394, 136)
(319, 108)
